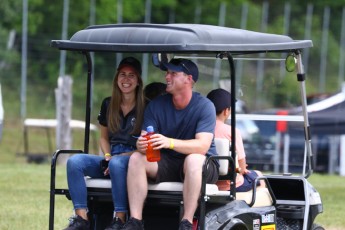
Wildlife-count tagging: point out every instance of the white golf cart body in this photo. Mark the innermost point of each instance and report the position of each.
(257, 209)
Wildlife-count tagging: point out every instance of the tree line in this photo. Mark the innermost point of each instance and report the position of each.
(45, 24)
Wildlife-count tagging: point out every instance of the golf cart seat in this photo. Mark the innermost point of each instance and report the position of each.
(262, 195)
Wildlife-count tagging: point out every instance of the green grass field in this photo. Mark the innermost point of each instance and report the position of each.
(24, 198)
(24, 193)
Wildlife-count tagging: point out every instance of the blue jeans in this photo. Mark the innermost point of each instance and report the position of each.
(81, 165)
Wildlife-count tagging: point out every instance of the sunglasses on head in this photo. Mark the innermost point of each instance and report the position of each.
(186, 68)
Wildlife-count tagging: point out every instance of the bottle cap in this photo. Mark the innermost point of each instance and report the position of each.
(149, 129)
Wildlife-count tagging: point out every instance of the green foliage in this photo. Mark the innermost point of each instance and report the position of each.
(253, 22)
(45, 24)
(9, 11)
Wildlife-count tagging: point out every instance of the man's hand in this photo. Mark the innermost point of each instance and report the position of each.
(159, 141)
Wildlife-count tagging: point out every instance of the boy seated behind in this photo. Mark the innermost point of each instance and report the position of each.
(245, 178)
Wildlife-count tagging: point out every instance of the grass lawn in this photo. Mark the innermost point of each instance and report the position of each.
(24, 197)
(332, 191)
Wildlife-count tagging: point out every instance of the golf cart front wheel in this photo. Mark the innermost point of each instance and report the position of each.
(235, 224)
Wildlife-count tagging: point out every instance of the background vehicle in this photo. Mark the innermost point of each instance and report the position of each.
(274, 207)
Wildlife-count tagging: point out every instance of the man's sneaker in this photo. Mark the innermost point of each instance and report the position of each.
(133, 224)
(185, 225)
(116, 224)
(78, 223)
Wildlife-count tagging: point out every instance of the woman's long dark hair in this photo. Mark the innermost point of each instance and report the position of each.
(114, 118)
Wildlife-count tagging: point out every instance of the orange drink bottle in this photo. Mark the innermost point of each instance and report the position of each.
(152, 155)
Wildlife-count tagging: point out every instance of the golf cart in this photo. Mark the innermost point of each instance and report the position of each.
(287, 202)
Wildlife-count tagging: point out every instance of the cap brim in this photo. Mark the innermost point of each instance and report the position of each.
(169, 66)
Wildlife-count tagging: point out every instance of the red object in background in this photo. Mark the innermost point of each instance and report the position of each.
(282, 125)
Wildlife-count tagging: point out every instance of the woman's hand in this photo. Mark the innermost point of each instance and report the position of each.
(107, 157)
(106, 172)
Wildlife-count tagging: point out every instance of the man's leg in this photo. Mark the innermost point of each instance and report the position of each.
(138, 171)
(192, 184)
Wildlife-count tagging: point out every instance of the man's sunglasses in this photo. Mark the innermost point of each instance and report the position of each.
(184, 66)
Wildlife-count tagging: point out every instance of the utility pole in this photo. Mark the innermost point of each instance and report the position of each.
(217, 63)
(63, 96)
(24, 60)
(64, 36)
(307, 34)
(324, 49)
(119, 20)
(342, 50)
(145, 55)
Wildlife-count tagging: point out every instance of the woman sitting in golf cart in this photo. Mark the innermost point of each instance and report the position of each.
(120, 119)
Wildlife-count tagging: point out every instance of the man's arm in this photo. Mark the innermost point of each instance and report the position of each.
(200, 144)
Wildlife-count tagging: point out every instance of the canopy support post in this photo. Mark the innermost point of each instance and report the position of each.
(88, 102)
(301, 79)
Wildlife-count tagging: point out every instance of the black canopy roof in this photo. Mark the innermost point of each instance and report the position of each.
(330, 120)
(326, 117)
(177, 38)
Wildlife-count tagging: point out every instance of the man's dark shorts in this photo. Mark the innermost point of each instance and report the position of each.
(170, 169)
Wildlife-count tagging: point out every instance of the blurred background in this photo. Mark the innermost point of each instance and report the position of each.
(30, 92)
(30, 68)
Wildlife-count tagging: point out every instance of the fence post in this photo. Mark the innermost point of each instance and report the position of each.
(342, 156)
(334, 141)
(63, 95)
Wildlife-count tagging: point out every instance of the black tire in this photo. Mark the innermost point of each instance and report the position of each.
(235, 224)
(317, 227)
